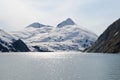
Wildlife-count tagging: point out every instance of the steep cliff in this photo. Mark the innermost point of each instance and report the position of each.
(109, 41)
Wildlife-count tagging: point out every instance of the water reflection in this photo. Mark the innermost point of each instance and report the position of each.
(59, 66)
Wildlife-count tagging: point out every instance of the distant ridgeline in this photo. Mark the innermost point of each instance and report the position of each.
(109, 41)
(66, 36)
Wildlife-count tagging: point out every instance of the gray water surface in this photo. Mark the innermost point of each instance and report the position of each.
(59, 66)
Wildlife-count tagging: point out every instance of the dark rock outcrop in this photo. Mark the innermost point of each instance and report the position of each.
(3, 49)
(9, 44)
(20, 46)
(40, 49)
(68, 21)
(17, 46)
(6, 47)
(109, 41)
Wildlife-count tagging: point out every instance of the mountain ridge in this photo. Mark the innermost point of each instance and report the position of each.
(69, 36)
(8, 42)
(66, 22)
(37, 25)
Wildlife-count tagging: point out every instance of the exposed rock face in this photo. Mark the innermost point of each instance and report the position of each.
(68, 21)
(9, 44)
(40, 49)
(20, 46)
(17, 46)
(3, 49)
(109, 41)
(37, 25)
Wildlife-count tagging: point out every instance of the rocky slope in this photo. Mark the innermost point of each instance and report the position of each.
(109, 41)
(9, 44)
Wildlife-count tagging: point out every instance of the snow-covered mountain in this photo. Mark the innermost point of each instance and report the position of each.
(32, 30)
(66, 36)
(9, 44)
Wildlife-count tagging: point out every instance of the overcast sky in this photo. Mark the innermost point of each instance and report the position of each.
(95, 15)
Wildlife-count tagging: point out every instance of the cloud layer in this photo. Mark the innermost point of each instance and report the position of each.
(95, 15)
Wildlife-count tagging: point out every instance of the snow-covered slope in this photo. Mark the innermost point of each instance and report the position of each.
(66, 36)
(6, 37)
(8, 43)
(32, 31)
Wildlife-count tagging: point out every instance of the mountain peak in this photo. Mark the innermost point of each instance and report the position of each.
(36, 25)
(68, 21)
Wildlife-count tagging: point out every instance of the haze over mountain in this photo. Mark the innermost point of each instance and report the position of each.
(66, 36)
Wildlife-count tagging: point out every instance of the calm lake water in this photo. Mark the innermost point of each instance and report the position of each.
(59, 66)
